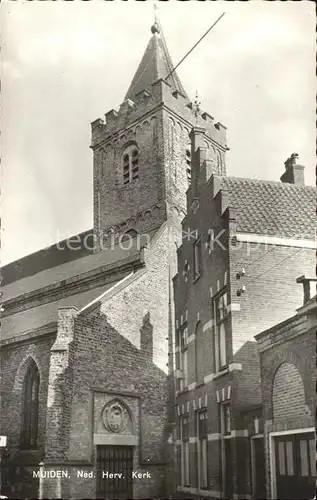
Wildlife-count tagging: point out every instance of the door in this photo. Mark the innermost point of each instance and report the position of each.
(258, 463)
(228, 479)
(114, 472)
(295, 466)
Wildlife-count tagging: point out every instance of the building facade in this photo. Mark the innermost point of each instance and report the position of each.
(288, 362)
(245, 242)
(87, 329)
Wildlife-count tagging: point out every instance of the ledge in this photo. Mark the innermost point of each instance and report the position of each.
(119, 393)
(116, 439)
(35, 335)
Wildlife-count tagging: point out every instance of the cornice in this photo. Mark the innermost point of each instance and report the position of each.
(123, 129)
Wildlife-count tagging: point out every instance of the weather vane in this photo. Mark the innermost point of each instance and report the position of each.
(155, 26)
(196, 106)
(155, 10)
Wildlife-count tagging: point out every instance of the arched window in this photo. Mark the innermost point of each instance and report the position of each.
(130, 164)
(188, 165)
(30, 407)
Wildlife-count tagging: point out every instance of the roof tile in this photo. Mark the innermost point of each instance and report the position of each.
(272, 208)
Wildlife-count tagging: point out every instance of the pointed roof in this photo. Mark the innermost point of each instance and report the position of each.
(156, 63)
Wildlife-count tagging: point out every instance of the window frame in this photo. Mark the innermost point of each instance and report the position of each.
(202, 434)
(225, 429)
(130, 164)
(30, 408)
(221, 317)
(185, 454)
(197, 259)
(183, 355)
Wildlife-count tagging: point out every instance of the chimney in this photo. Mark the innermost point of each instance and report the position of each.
(294, 173)
(308, 287)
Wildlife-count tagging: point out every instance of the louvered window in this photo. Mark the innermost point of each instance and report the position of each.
(130, 164)
(188, 166)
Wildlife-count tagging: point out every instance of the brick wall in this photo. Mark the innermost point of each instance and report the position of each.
(298, 356)
(288, 393)
(15, 359)
(18, 465)
(272, 295)
(117, 202)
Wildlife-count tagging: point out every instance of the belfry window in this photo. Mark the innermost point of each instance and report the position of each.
(30, 407)
(188, 165)
(130, 164)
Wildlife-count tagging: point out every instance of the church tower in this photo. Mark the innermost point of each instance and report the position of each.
(142, 152)
(142, 171)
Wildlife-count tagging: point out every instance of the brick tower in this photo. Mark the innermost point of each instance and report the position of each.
(142, 152)
(142, 171)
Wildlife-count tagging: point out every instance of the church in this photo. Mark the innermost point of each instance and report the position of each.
(88, 324)
(129, 365)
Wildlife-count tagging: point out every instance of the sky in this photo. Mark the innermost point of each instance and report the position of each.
(64, 64)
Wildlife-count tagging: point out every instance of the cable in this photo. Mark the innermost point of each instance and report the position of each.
(260, 258)
(278, 263)
(214, 24)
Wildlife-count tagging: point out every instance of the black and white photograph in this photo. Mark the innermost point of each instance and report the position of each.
(158, 254)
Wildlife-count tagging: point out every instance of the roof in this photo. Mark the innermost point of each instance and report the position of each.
(272, 208)
(47, 258)
(155, 64)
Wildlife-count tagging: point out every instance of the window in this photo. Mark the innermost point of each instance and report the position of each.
(285, 458)
(188, 165)
(183, 358)
(210, 241)
(186, 270)
(226, 419)
(202, 449)
(197, 258)
(221, 320)
(185, 451)
(30, 406)
(130, 164)
(307, 457)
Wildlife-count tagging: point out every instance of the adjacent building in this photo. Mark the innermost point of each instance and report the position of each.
(288, 367)
(245, 241)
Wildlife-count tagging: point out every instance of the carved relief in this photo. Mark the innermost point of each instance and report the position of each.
(115, 417)
(137, 132)
(130, 134)
(140, 216)
(172, 121)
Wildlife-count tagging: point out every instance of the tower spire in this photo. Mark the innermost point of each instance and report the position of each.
(155, 64)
